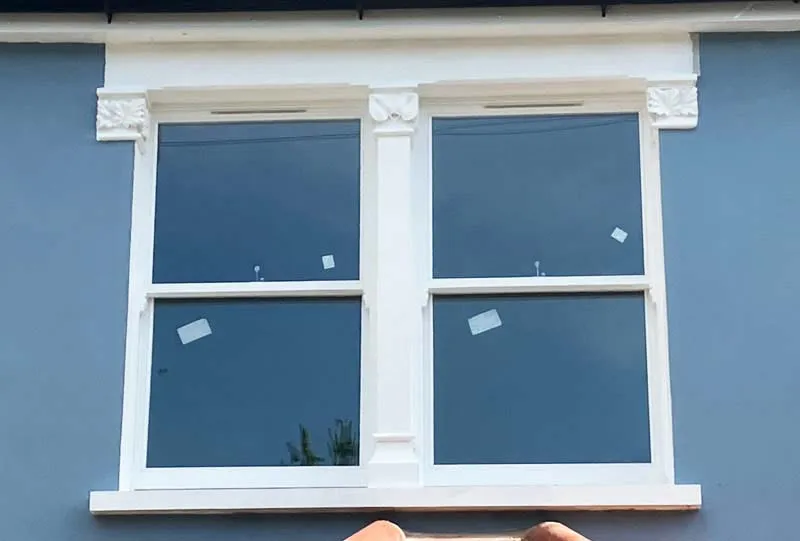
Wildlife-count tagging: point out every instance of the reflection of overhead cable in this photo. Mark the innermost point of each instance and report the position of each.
(447, 131)
(462, 130)
(460, 123)
(279, 139)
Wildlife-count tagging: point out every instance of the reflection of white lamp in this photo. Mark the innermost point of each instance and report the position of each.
(257, 270)
(536, 264)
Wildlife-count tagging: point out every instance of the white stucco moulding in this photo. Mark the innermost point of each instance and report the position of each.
(673, 107)
(394, 113)
(122, 116)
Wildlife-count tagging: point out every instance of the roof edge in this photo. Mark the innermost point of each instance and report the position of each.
(309, 27)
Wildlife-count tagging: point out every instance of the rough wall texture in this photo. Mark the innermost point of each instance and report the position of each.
(731, 207)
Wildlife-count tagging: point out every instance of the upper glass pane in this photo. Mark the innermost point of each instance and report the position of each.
(537, 195)
(255, 382)
(540, 379)
(266, 201)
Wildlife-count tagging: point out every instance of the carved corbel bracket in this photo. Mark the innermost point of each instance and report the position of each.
(122, 116)
(394, 112)
(674, 106)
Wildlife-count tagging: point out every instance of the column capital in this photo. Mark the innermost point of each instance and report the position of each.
(394, 112)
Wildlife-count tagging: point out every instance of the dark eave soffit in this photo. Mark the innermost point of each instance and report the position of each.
(110, 7)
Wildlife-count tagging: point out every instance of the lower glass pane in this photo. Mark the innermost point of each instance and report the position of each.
(255, 382)
(540, 379)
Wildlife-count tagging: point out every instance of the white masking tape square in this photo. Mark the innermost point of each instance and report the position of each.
(194, 331)
(619, 235)
(485, 321)
(328, 262)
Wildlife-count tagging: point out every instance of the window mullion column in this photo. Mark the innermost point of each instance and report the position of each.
(397, 315)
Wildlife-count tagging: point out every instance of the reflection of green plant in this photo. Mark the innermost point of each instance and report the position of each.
(342, 447)
(342, 444)
(304, 456)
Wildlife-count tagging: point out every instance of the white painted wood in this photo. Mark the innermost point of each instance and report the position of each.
(661, 468)
(122, 116)
(538, 284)
(673, 107)
(342, 288)
(544, 475)
(267, 82)
(779, 16)
(367, 273)
(658, 372)
(594, 498)
(397, 319)
(397, 64)
(134, 475)
(589, 93)
(423, 218)
(139, 319)
(249, 477)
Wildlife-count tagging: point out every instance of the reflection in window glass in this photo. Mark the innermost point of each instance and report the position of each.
(265, 201)
(549, 379)
(265, 382)
(536, 195)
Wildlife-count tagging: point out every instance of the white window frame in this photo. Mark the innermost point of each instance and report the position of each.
(135, 452)
(396, 467)
(144, 293)
(660, 469)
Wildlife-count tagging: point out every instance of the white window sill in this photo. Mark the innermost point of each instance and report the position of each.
(593, 498)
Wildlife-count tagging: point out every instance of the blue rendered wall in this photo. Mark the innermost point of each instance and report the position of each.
(731, 207)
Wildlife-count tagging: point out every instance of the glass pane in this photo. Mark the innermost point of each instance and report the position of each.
(550, 379)
(236, 382)
(257, 201)
(529, 195)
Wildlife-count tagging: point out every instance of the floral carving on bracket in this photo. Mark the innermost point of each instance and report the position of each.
(394, 111)
(122, 119)
(673, 107)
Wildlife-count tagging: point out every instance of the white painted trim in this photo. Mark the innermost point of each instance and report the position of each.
(342, 288)
(197, 74)
(660, 470)
(779, 16)
(134, 475)
(591, 498)
(249, 477)
(396, 333)
(544, 475)
(135, 395)
(658, 371)
(122, 116)
(538, 284)
(673, 107)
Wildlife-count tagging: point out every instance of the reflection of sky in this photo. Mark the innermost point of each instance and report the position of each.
(275, 194)
(237, 396)
(509, 191)
(563, 380)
